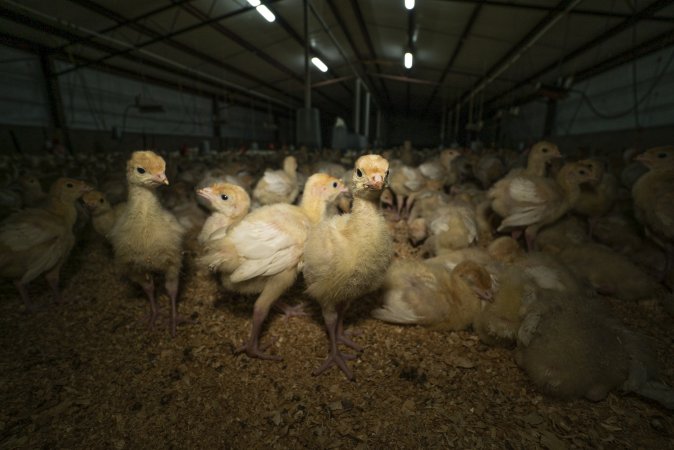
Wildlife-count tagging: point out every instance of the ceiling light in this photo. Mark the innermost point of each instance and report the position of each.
(409, 4)
(408, 60)
(264, 12)
(320, 64)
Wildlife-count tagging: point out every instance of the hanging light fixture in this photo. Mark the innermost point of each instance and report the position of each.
(409, 4)
(409, 59)
(319, 64)
(262, 10)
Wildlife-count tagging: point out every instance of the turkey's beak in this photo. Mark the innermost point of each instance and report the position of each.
(376, 182)
(641, 157)
(161, 178)
(484, 294)
(204, 192)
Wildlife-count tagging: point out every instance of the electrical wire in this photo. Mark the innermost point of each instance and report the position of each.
(585, 98)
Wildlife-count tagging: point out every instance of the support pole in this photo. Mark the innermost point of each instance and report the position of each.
(307, 71)
(56, 111)
(378, 131)
(550, 116)
(217, 135)
(443, 123)
(366, 130)
(356, 109)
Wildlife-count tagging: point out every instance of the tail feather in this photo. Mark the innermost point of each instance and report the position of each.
(395, 310)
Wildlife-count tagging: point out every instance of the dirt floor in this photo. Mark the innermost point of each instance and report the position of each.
(88, 374)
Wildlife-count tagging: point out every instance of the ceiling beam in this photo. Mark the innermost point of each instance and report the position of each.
(659, 42)
(303, 43)
(158, 37)
(213, 90)
(648, 11)
(174, 69)
(520, 48)
(457, 49)
(368, 42)
(125, 23)
(342, 25)
(538, 7)
(217, 26)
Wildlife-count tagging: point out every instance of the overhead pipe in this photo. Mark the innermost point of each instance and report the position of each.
(520, 51)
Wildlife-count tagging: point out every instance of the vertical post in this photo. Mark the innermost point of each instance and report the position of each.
(356, 109)
(56, 111)
(216, 121)
(378, 130)
(550, 116)
(443, 122)
(366, 128)
(457, 113)
(307, 71)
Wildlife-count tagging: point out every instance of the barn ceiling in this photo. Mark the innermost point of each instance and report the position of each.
(488, 53)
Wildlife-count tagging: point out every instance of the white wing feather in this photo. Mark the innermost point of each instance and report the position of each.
(523, 190)
(523, 217)
(432, 170)
(265, 250)
(414, 181)
(277, 182)
(21, 233)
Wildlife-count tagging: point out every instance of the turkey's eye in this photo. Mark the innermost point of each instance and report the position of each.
(101, 201)
(582, 172)
(544, 150)
(69, 185)
(662, 155)
(334, 185)
(224, 197)
(140, 170)
(359, 173)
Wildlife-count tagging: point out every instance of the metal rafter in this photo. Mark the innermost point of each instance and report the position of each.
(538, 7)
(300, 40)
(199, 14)
(69, 35)
(168, 38)
(659, 42)
(368, 41)
(231, 97)
(457, 50)
(342, 25)
(125, 23)
(645, 48)
(522, 45)
(603, 37)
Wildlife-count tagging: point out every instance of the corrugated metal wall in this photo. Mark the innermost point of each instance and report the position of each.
(600, 107)
(100, 108)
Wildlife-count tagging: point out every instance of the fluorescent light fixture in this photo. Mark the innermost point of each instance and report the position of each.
(320, 64)
(408, 60)
(264, 12)
(409, 4)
